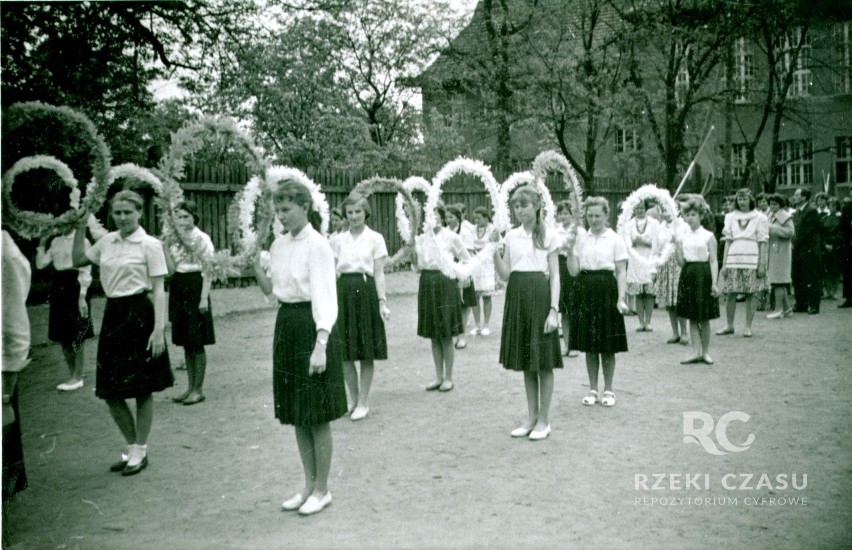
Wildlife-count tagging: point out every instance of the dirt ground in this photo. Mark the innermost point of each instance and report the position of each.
(430, 470)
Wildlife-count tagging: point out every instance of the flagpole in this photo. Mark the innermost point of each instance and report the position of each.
(692, 164)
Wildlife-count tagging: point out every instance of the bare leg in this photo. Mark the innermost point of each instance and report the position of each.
(322, 457)
(649, 308)
(750, 309)
(449, 358)
(695, 336)
(704, 329)
(565, 335)
(730, 309)
(780, 299)
(196, 371)
(438, 359)
(476, 313)
(639, 305)
(123, 419)
(531, 389)
(189, 359)
(365, 382)
(592, 366)
(673, 321)
(74, 360)
(683, 328)
(545, 385)
(608, 363)
(144, 418)
(350, 376)
(486, 306)
(305, 442)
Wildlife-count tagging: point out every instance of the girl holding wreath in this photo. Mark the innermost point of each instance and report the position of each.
(529, 341)
(483, 277)
(746, 234)
(361, 254)
(641, 236)
(697, 292)
(439, 307)
(189, 302)
(307, 373)
(669, 274)
(455, 219)
(133, 362)
(598, 258)
(70, 320)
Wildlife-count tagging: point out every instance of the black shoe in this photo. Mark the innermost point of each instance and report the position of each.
(118, 466)
(133, 470)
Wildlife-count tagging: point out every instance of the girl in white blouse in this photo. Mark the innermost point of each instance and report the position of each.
(361, 254)
(468, 292)
(483, 277)
(132, 357)
(189, 302)
(307, 372)
(439, 308)
(568, 292)
(746, 235)
(70, 321)
(598, 258)
(697, 294)
(529, 341)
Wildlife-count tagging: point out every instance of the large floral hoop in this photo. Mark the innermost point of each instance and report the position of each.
(40, 115)
(30, 224)
(554, 160)
(519, 179)
(194, 136)
(664, 199)
(406, 229)
(500, 219)
(127, 171)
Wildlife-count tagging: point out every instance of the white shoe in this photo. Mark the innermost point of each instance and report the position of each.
(360, 413)
(591, 398)
(474, 331)
(775, 315)
(538, 435)
(314, 505)
(293, 503)
(70, 386)
(521, 432)
(485, 332)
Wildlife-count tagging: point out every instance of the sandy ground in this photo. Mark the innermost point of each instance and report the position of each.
(429, 470)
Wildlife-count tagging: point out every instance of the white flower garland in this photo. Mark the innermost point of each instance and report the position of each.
(277, 174)
(665, 200)
(403, 224)
(554, 160)
(36, 224)
(500, 219)
(519, 179)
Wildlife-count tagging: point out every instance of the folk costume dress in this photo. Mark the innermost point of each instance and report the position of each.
(190, 328)
(642, 243)
(668, 276)
(303, 280)
(362, 328)
(695, 300)
(65, 324)
(744, 231)
(439, 307)
(600, 326)
(125, 367)
(524, 346)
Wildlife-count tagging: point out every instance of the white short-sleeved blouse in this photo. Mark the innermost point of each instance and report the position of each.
(128, 264)
(358, 254)
(184, 263)
(521, 254)
(600, 252)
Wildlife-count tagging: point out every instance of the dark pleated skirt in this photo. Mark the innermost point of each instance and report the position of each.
(567, 290)
(439, 309)
(125, 367)
(468, 296)
(524, 346)
(190, 328)
(362, 327)
(302, 399)
(14, 472)
(600, 326)
(694, 297)
(65, 325)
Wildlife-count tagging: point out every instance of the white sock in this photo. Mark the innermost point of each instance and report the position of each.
(137, 453)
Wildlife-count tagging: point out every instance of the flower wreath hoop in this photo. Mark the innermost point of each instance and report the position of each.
(664, 199)
(519, 179)
(554, 160)
(123, 171)
(31, 224)
(277, 174)
(500, 219)
(196, 135)
(404, 227)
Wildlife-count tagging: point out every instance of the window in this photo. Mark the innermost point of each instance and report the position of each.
(843, 57)
(682, 78)
(743, 70)
(797, 164)
(627, 140)
(799, 64)
(843, 159)
(738, 159)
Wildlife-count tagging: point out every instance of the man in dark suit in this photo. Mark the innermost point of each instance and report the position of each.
(807, 253)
